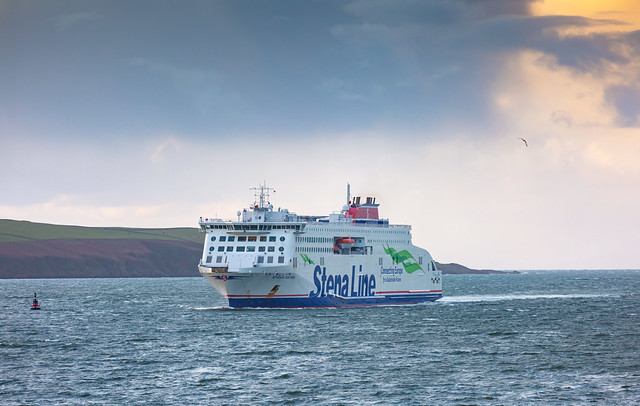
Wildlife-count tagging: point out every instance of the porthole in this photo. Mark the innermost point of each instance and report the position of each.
(213, 238)
(212, 248)
(282, 238)
(281, 249)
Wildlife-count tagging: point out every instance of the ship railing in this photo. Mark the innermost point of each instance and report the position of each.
(385, 224)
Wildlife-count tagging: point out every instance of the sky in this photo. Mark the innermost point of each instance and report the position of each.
(154, 113)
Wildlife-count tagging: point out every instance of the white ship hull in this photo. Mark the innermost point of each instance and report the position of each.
(290, 261)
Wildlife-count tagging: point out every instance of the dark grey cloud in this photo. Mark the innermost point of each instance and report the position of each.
(442, 12)
(626, 100)
(65, 21)
(214, 69)
(470, 40)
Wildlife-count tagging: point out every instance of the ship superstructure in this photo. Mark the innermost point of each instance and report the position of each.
(276, 258)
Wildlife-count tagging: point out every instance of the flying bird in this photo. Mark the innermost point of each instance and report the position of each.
(525, 142)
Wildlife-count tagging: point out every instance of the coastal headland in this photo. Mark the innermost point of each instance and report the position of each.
(39, 250)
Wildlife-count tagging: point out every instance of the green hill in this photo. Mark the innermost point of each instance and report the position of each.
(37, 250)
(14, 231)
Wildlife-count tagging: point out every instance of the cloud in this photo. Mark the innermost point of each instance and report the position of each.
(341, 90)
(626, 99)
(159, 153)
(205, 90)
(459, 48)
(67, 21)
(167, 113)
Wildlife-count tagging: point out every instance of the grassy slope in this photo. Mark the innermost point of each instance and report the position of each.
(17, 231)
(25, 232)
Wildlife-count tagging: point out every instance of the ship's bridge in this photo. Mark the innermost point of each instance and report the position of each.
(245, 227)
(259, 217)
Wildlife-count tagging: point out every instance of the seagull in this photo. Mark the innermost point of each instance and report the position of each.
(525, 142)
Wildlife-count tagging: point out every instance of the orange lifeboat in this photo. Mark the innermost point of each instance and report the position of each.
(346, 241)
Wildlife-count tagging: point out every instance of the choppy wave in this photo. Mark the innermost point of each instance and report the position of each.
(540, 338)
(500, 298)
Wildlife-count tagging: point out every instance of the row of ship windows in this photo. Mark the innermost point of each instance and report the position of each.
(261, 260)
(330, 240)
(253, 238)
(314, 239)
(389, 241)
(377, 231)
(313, 249)
(241, 248)
(260, 227)
(367, 250)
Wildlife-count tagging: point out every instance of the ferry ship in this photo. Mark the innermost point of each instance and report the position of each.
(276, 258)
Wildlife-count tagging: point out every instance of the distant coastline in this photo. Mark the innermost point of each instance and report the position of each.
(457, 269)
(38, 250)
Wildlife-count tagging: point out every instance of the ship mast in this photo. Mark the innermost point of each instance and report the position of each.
(261, 195)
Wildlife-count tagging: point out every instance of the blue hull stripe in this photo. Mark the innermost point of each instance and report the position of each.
(332, 301)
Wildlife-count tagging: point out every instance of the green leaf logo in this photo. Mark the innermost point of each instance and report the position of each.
(306, 259)
(405, 258)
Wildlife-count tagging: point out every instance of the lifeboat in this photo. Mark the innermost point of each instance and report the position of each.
(347, 240)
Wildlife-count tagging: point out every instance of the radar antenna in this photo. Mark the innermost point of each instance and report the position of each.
(261, 196)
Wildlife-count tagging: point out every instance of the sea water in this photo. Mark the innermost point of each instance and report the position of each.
(552, 337)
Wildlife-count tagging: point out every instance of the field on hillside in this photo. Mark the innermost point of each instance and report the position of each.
(21, 231)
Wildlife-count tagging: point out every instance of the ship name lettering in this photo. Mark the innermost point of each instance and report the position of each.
(342, 285)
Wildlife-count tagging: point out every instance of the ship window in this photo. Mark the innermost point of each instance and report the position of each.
(271, 249)
(232, 238)
(251, 249)
(281, 260)
(272, 238)
(419, 260)
(260, 249)
(282, 238)
(229, 248)
(240, 248)
(269, 260)
(281, 249)
(213, 238)
(219, 259)
(254, 238)
(212, 248)
(221, 248)
(263, 238)
(260, 260)
(222, 238)
(242, 238)
(380, 261)
(321, 260)
(209, 259)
